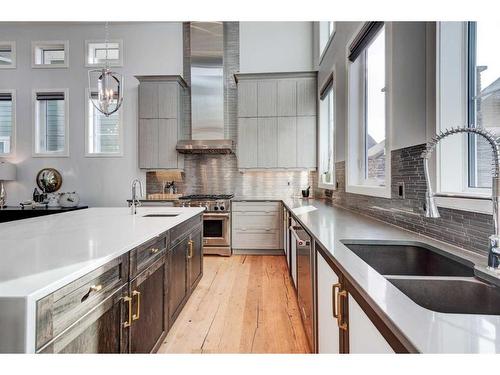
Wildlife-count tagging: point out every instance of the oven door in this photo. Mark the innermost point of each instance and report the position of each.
(216, 231)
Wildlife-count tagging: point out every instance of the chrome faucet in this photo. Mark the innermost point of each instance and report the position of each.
(431, 209)
(135, 202)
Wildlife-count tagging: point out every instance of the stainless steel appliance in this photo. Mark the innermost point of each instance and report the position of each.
(216, 221)
(305, 266)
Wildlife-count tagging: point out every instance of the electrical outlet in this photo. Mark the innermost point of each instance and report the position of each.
(401, 190)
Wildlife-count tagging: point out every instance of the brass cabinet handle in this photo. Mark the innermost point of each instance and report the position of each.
(128, 322)
(190, 253)
(154, 250)
(95, 288)
(334, 297)
(137, 315)
(342, 325)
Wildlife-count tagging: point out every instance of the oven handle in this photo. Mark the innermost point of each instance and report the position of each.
(297, 238)
(215, 215)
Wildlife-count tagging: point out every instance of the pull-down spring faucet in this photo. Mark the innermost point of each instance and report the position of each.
(135, 201)
(431, 209)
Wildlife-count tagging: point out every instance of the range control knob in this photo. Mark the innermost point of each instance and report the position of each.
(222, 208)
(216, 208)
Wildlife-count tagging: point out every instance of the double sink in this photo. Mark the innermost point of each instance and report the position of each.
(431, 279)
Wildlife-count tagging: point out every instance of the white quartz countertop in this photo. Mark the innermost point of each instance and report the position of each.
(428, 331)
(40, 255)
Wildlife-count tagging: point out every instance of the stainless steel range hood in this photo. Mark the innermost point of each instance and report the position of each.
(207, 91)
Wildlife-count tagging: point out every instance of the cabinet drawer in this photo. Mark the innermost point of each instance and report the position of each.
(59, 310)
(144, 255)
(256, 220)
(255, 239)
(181, 230)
(265, 207)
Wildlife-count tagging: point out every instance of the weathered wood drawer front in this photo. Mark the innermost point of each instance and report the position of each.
(144, 255)
(254, 239)
(181, 230)
(65, 306)
(256, 220)
(265, 207)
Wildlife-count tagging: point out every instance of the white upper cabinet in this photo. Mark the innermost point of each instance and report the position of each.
(277, 120)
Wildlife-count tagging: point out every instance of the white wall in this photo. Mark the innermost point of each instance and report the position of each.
(409, 82)
(149, 48)
(276, 47)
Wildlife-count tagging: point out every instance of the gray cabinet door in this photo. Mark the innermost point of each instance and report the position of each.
(267, 98)
(148, 143)
(306, 142)
(306, 97)
(148, 100)
(247, 99)
(267, 150)
(167, 138)
(168, 97)
(247, 142)
(287, 142)
(287, 97)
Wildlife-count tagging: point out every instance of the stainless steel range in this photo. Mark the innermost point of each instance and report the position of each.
(216, 221)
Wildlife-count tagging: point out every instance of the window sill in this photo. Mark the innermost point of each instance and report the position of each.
(322, 185)
(466, 204)
(117, 155)
(375, 191)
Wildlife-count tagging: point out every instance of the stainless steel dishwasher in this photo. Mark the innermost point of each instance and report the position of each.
(305, 266)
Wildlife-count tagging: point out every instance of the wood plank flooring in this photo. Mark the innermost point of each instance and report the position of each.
(243, 304)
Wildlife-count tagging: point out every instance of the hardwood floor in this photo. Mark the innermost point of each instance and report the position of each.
(243, 304)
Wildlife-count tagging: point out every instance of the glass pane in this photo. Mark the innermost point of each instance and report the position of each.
(327, 157)
(5, 126)
(487, 98)
(375, 111)
(97, 52)
(5, 55)
(51, 126)
(53, 57)
(212, 228)
(104, 132)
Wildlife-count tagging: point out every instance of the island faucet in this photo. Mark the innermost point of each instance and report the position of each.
(135, 201)
(431, 209)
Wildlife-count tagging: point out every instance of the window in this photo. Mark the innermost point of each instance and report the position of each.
(7, 55)
(468, 84)
(7, 121)
(368, 157)
(326, 168)
(326, 32)
(95, 52)
(50, 123)
(103, 134)
(52, 54)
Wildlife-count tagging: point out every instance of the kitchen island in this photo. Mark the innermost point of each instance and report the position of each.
(100, 271)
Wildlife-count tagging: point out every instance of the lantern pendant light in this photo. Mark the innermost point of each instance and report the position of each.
(109, 84)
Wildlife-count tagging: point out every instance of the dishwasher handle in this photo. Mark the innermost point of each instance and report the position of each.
(300, 241)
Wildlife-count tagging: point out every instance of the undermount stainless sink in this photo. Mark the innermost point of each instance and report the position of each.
(409, 260)
(451, 295)
(161, 215)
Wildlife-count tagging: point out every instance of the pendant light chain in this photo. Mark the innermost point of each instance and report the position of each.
(106, 38)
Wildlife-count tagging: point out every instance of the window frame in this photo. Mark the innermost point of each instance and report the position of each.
(113, 63)
(321, 24)
(13, 52)
(88, 154)
(461, 145)
(64, 153)
(324, 108)
(354, 131)
(46, 45)
(12, 152)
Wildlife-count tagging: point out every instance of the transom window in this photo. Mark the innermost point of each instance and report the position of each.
(326, 31)
(7, 55)
(95, 52)
(52, 54)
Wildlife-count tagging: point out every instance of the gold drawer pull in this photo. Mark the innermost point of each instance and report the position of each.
(342, 325)
(137, 315)
(128, 323)
(95, 288)
(190, 253)
(154, 250)
(334, 297)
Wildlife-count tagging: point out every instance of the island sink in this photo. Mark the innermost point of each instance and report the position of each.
(409, 260)
(451, 295)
